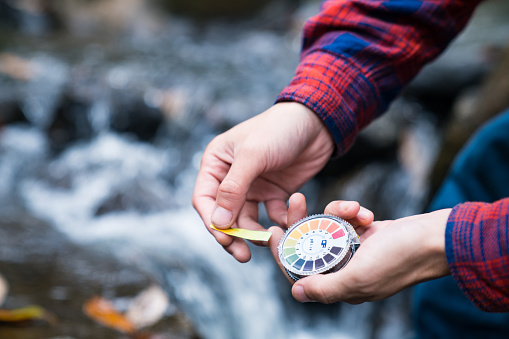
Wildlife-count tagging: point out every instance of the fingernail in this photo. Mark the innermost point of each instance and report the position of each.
(364, 214)
(299, 294)
(221, 217)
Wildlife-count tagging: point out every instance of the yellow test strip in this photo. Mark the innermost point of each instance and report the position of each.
(245, 234)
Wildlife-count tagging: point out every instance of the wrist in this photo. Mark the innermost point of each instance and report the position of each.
(311, 124)
(435, 225)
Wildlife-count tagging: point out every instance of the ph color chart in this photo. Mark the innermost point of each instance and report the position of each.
(316, 244)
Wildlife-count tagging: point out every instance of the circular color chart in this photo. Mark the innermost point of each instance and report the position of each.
(317, 244)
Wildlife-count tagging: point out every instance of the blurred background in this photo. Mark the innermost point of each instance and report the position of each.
(105, 109)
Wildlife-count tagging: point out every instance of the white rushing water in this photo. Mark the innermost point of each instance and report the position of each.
(223, 298)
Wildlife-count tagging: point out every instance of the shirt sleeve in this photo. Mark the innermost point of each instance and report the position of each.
(357, 55)
(477, 247)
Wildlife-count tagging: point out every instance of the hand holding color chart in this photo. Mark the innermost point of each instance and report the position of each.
(317, 244)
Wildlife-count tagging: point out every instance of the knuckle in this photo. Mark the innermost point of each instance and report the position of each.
(250, 147)
(217, 141)
(230, 190)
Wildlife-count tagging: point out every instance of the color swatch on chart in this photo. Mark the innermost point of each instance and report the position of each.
(313, 245)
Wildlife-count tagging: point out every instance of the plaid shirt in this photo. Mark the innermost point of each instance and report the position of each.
(356, 57)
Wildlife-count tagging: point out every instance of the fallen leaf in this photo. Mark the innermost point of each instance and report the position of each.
(102, 311)
(4, 288)
(27, 313)
(148, 307)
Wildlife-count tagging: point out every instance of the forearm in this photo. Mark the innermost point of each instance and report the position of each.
(477, 246)
(358, 55)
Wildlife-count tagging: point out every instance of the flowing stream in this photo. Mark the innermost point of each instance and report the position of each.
(109, 145)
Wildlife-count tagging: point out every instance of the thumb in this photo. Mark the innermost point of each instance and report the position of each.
(232, 192)
(324, 288)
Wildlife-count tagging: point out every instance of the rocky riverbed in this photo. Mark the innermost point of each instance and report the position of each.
(44, 267)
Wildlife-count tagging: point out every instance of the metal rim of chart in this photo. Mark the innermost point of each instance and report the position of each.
(320, 243)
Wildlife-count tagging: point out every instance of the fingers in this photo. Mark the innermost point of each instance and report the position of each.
(204, 195)
(239, 249)
(220, 194)
(204, 202)
(350, 211)
(277, 211)
(232, 192)
(321, 288)
(248, 219)
(277, 234)
(328, 288)
(297, 208)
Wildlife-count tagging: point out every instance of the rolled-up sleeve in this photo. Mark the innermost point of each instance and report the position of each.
(477, 247)
(358, 55)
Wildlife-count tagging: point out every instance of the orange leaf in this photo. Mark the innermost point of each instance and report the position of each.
(102, 311)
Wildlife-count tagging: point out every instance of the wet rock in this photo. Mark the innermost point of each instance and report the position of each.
(83, 111)
(28, 16)
(112, 17)
(13, 70)
(71, 123)
(214, 9)
(139, 196)
(379, 141)
(468, 59)
(10, 112)
(133, 116)
(174, 103)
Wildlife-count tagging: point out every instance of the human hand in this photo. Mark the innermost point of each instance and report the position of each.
(350, 211)
(393, 255)
(262, 160)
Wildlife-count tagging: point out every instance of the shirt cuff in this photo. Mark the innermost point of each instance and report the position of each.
(338, 92)
(476, 249)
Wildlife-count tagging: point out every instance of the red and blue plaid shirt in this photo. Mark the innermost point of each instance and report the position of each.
(356, 57)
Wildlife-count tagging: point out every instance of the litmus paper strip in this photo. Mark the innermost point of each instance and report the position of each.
(245, 234)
